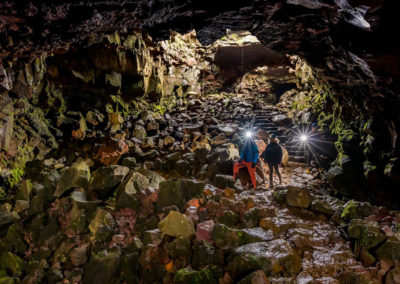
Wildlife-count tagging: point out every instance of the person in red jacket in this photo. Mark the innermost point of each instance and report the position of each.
(248, 159)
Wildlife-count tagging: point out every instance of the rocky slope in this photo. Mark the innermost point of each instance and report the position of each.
(158, 204)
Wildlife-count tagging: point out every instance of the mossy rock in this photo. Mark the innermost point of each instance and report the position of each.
(13, 264)
(356, 209)
(78, 175)
(187, 275)
(229, 218)
(390, 250)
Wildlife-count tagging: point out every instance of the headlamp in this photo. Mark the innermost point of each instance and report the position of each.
(303, 138)
(249, 134)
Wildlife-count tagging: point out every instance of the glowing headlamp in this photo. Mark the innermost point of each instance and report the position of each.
(249, 134)
(303, 138)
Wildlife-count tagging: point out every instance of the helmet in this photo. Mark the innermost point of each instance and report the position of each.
(314, 125)
(273, 135)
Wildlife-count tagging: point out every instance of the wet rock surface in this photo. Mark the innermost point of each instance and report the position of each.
(177, 216)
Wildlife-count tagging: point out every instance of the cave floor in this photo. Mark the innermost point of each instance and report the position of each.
(106, 210)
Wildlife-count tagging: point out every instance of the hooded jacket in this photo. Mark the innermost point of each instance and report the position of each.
(249, 151)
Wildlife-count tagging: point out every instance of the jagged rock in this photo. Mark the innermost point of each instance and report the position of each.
(357, 209)
(277, 224)
(345, 181)
(105, 179)
(103, 267)
(177, 192)
(204, 231)
(256, 277)
(152, 237)
(225, 237)
(229, 218)
(13, 264)
(78, 175)
(180, 248)
(152, 176)
(223, 181)
(129, 162)
(393, 276)
(176, 225)
(78, 255)
(327, 204)
(128, 190)
(367, 235)
(183, 167)
(6, 216)
(204, 254)
(272, 257)
(139, 132)
(390, 250)
(102, 225)
(255, 235)
(187, 275)
(280, 194)
(298, 196)
(24, 191)
(252, 217)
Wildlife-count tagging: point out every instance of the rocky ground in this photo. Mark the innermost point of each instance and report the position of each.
(152, 200)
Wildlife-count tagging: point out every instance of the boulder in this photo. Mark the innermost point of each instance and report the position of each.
(176, 225)
(345, 181)
(204, 254)
(277, 224)
(327, 204)
(139, 132)
(393, 276)
(129, 162)
(105, 179)
(357, 209)
(229, 218)
(272, 257)
(6, 215)
(225, 237)
(298, 196)
(188, 275)
(178, 192)
(223, 181)
(204, 231)
(102, 225)
(255, 235)
(78, 175)
(103, 267)
(390, 250)
(256, 277)
(128, 190)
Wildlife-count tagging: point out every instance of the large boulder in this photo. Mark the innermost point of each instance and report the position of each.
(78, 175)
(345, 179)
(105, 179)
(274, 257)
(223, 181)
(327, 204)
(176, 225)
(356, 210)
(298, 196)
(178, 192)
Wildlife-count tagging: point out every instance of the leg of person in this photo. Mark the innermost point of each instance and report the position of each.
(236, 168)
(271, 178)
(252, 174)
(276, 167)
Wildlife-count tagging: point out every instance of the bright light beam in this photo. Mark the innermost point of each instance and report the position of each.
(249, 134)
(303, 138)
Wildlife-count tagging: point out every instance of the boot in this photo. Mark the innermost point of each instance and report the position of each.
(271, 184)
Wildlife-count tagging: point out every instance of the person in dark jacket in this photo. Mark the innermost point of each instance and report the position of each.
(273, 157)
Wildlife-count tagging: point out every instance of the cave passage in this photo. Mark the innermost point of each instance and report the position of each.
(117, 158)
